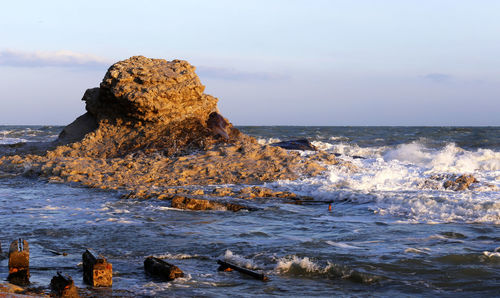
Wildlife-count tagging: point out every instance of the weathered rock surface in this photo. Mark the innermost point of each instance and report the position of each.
(151, 90)
(147, 104)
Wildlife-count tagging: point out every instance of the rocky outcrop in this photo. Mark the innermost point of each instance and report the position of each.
(151, 90)
(149, 128)
(145, 103)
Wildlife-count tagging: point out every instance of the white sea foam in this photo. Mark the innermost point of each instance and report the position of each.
(7, 140)
(413, 250)
(239, 260)
(342, 245)
(492, 254)
(397, 182)
(120, 220)
(450, 159)
(178, 256)
(349, 150)
(267, 141)
(294, 265)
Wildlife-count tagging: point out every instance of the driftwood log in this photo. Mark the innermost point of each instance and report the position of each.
(225, 265)
(97, 272)
(158, 267)
(19, 262)
(63, 286)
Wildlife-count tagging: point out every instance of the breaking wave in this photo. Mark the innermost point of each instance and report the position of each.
(407, 181)
(297, 266)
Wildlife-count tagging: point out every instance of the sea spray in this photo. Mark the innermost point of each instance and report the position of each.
(297, 266)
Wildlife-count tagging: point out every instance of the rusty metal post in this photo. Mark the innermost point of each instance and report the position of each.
(19, 262)
(97, 272)
(63, 286)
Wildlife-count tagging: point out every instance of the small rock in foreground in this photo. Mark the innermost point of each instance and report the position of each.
(462, 182)
(181, 202)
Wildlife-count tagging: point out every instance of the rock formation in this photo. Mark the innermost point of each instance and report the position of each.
(149, 127)
(145, 103)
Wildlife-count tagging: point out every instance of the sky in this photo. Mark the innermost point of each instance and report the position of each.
(272, 62)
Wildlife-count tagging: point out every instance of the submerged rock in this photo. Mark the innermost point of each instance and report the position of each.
(462, 182)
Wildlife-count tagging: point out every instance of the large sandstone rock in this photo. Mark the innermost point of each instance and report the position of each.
(147, 104)
(150, 90)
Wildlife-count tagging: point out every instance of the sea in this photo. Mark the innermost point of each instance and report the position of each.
(392, 230)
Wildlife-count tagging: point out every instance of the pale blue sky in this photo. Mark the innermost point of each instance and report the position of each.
(269, 62)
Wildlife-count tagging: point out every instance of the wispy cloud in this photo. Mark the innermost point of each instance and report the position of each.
(438, 77)
(67, 59)
(238, 75)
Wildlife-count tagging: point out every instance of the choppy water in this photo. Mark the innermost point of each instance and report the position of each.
(389, 232)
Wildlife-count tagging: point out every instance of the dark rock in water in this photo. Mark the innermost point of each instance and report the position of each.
(462, 182)
(75, 131)
(301, 144)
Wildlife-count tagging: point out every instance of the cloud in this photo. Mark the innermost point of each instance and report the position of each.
(66, 59)
(438, 77)
(237, 75)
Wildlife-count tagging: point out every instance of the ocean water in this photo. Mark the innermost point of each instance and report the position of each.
(392, 229)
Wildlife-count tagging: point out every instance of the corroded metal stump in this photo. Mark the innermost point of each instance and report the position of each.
(158, 267)
(63, 286)
(97, 272)
(19, 262)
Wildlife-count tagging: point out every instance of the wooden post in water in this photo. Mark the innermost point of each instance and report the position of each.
(63, 286)
(225, 265)
(19, 262)
(97, 272)
(158, 267)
